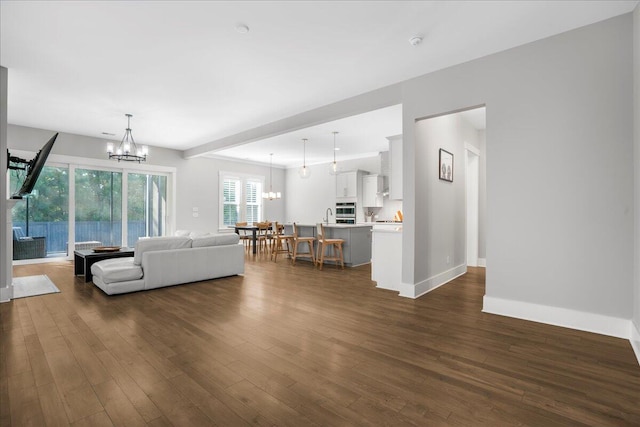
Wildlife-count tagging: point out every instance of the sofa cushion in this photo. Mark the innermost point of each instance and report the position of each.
(199, 234)
(159, 244)
(116, 270)
(182, 233)
(215, 240)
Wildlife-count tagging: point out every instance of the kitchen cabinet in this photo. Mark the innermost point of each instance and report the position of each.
(395, 167)
(347, 185)
(386, 259)
(372, 191)
(357, 243)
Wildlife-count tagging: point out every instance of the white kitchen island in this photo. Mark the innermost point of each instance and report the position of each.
(386, 257)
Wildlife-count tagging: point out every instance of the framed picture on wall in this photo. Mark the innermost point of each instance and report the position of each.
(446, 166)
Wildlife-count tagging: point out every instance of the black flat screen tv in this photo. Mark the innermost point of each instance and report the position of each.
(34, 167)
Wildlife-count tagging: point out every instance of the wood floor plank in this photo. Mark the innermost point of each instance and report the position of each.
(52, 406)
(292, 345)
(117, 406)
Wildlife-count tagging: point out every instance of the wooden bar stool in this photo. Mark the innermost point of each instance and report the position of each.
(279, 238)
(297, 240)
(334, 245)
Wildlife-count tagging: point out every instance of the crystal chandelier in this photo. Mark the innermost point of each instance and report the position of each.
(128, 150)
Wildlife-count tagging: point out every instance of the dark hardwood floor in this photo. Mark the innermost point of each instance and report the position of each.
(294, 346)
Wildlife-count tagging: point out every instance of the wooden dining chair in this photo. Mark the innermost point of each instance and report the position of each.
(245, 237)
(296, 241)
(334, 246)
(279, 241)
(264, 237)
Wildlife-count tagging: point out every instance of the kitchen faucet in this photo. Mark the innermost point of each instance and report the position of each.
(327, 213)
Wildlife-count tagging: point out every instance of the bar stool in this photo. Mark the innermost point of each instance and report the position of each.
(297, 240)
(334, 245)
(278, 239)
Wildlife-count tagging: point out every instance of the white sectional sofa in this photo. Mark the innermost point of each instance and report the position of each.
(168, 261)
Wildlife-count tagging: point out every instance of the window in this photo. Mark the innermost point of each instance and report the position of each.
(42, 216)
(241, 199)
(146, 206)
(253, 199)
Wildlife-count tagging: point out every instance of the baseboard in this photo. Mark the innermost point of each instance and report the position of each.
(635, 340)
(482, 262)
(6, 294)
(574, 319)
(434, 282)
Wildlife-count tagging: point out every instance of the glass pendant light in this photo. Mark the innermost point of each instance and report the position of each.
(333, 168)
(304, 171)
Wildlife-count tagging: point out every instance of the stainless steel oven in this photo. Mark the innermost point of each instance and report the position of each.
(345, 213)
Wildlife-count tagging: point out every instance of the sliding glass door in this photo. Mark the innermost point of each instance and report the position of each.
(41, 220)
(98, 206)
(146, 206)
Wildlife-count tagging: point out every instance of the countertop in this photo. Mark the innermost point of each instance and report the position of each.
(397, 229)
(334, 225)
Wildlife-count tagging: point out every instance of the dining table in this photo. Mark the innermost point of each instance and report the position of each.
(254, 234)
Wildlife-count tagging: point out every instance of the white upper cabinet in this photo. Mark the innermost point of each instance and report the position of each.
(347, 185)
(372, 191)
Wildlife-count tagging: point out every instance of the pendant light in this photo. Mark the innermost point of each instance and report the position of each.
(271, 195)
(333, 168)
(128, 150)
(304, 171)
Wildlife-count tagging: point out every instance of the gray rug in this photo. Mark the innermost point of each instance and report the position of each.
(29, 286)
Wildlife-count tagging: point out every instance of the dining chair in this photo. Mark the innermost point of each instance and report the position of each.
(245, 238)
(264, 237)
(334, 246)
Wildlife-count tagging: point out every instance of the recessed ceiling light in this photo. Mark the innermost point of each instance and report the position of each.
(415, 40)
(242, 28)
(337, 149)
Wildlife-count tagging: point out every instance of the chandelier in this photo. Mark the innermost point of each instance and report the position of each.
(271, 195)
(128, 150)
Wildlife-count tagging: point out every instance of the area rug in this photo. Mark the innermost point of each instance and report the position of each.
(29, 286)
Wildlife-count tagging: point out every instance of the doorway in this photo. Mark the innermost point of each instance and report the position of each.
(472, 163)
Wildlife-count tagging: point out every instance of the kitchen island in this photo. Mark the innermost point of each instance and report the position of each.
(357, 239)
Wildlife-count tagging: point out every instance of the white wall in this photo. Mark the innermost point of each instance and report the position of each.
(442, 203)
(5, 259)
(308, 199)
(559, 169)
(197, 178)
(636, 87)
(482, 196)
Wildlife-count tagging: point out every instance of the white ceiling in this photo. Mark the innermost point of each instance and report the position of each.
(189, 77)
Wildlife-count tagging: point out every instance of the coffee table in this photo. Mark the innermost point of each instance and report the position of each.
(85, 258)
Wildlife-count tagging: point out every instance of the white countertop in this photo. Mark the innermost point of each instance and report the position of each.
(397, 229)
(334, 225)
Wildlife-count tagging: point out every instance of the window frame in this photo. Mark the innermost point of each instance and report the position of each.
(244, 179)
